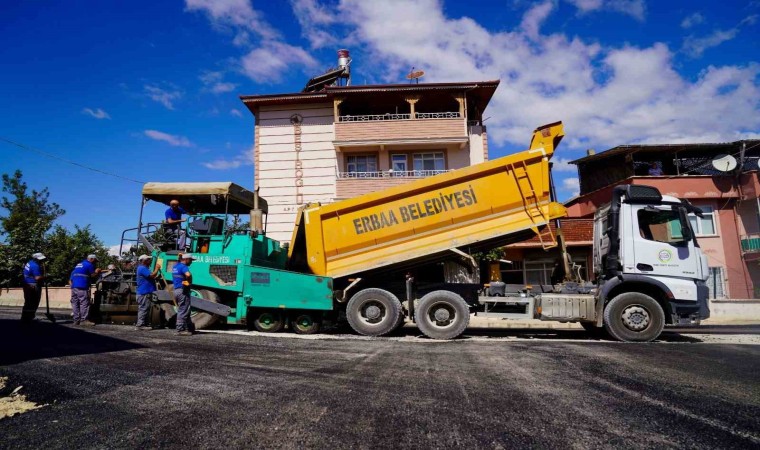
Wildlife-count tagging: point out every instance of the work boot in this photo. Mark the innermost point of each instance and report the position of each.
(87, 323)
(143, 328)
(185, 333)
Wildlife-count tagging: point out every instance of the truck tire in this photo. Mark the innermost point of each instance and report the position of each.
(373, 312)
(634, 317)
(305, 323)
(268, 320)
(202, 319)
(442, 315)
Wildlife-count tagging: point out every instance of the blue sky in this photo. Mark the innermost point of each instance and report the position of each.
(149, 90)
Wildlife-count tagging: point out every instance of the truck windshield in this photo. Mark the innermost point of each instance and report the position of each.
(660, 226)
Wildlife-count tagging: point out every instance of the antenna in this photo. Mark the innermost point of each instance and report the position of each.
(415, 75)
(724, 163)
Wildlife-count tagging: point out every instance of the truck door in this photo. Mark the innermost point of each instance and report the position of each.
(659, 247)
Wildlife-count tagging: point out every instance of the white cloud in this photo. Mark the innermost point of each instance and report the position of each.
(238, 14)
(634, 8)
(696, 46)
(260, 66)
(213, 82)
(692, 20)
(532, 20)
(572, 186)
(244, 158)
(171, 139)
(114, 250)
(164, 96)
(236, 112)
(563, 165)
(314, 18)
(97, 113)
(606, 96)
(267, 58)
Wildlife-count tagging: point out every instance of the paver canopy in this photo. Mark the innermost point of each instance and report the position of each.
(211, 198)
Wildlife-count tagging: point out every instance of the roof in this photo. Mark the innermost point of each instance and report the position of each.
(479, 91)
(727, 147)
(204, 197)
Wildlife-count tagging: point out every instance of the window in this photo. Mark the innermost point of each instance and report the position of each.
(715, 282)
(660, 226)
(399, 165)
(361, 165)
(705, 225)
(429, 161)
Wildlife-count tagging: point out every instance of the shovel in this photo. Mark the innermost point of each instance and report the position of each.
(49, 316)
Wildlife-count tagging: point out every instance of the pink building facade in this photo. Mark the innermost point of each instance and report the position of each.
(728, 232)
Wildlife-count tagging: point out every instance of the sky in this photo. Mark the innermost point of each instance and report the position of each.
(149, 91)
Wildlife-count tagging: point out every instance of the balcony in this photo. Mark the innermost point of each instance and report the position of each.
(352, 184)
(381, 129)
(751, 243)
(391, 174)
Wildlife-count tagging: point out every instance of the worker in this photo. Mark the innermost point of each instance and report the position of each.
(146, 286)
(182, 279)
(80, 289)
(33, 279)
(655, 169)
(174, 223)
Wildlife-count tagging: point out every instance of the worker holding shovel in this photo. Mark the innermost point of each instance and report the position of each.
(33, 279)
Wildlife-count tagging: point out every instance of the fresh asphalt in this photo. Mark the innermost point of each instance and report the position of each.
(114, 387)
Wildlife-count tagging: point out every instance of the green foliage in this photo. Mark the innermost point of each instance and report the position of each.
(494, 254)
(26, 228)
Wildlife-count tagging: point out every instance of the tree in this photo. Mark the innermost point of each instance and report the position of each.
(26, 229)
(65, 249)
(30, 215)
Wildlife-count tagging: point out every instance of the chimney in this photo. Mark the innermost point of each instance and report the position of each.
(590, 152)
(344, 62)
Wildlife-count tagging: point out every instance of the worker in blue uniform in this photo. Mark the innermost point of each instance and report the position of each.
(80, 289)
(174, 221)
(146, 286)
(182, 279)
(33, 279)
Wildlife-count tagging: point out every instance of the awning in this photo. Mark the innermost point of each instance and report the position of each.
(208, 198)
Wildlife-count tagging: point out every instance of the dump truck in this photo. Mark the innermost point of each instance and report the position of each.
(404, 254)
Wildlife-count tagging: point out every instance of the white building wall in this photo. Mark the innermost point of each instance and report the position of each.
(276, 173)
(477, 149)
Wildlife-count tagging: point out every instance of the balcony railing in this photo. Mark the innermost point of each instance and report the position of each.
(751, 243)
(392, 174)
(379, 117)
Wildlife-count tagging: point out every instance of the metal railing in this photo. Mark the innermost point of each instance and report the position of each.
(392, 174)
(381, 117)
(751, 243)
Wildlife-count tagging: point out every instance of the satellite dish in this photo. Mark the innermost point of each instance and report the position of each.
(724, 163)
(415, 75)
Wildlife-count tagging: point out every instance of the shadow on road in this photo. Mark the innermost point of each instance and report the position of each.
(47, 340)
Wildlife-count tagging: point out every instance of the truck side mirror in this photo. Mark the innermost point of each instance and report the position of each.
(685, 225)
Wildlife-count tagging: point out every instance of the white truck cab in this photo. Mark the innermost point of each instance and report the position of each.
(649, 267)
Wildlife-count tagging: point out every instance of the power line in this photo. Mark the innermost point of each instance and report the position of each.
(73, 163)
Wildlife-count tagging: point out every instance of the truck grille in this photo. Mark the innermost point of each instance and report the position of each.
(225, 275)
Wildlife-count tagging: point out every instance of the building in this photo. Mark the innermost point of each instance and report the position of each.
(721, 179)
(333, 142)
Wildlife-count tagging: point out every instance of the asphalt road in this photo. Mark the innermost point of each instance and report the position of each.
(113, 387)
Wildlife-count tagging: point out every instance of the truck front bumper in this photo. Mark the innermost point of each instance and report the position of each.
(688, 312)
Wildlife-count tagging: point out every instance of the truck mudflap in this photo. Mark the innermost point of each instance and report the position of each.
(197, 303)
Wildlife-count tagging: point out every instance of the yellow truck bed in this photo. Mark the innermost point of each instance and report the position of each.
(427, 218)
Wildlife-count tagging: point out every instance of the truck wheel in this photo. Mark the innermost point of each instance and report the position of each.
(634, 317)
(202, 319)
(373, 312)
(442, 315)
(268, 321)
(304, 323)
